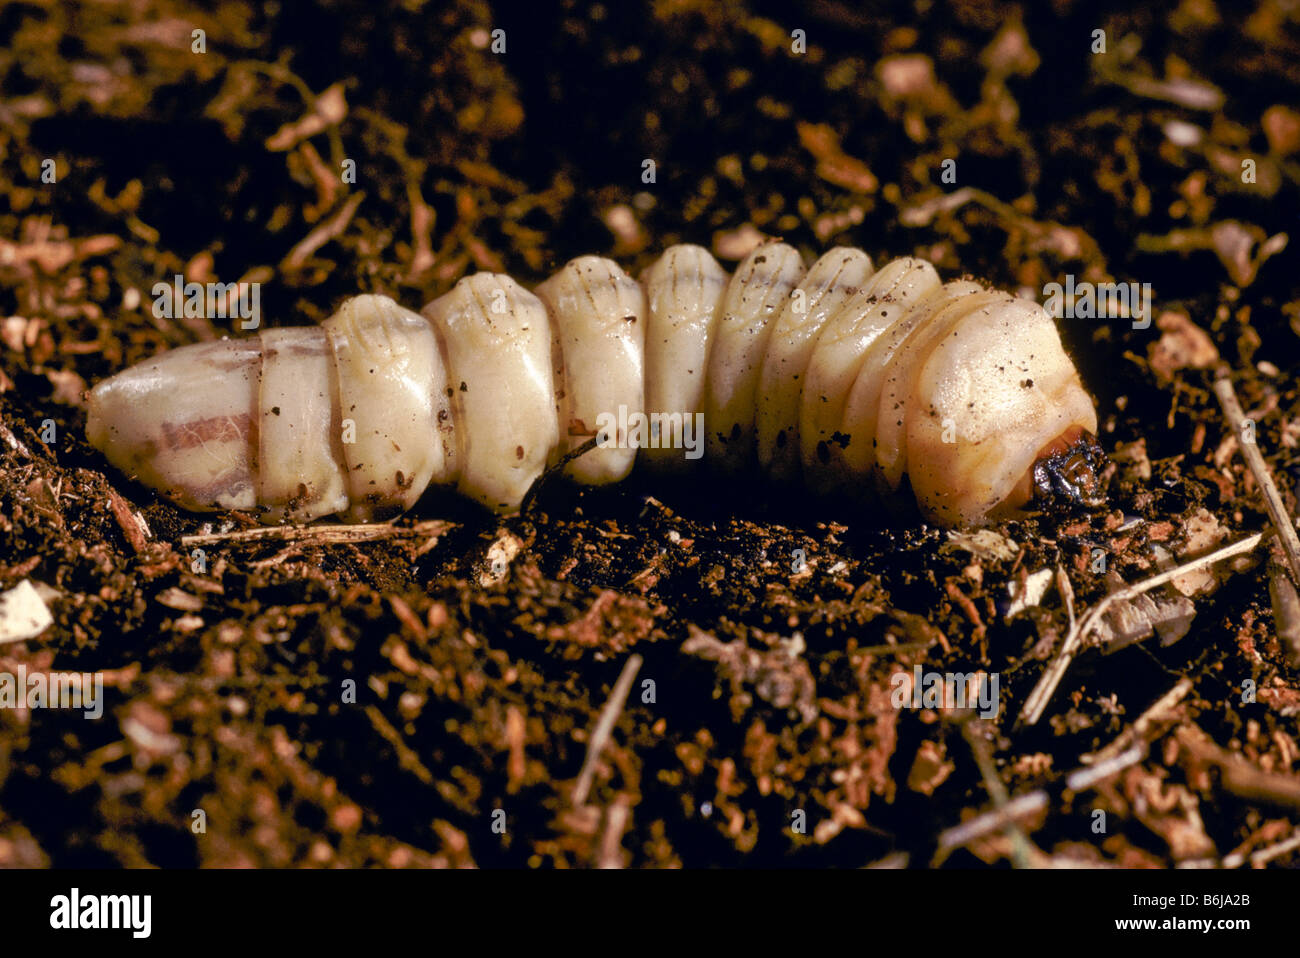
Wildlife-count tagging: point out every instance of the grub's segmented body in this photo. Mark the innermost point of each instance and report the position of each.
(841, 377)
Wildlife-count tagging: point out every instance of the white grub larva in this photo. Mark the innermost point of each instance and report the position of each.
(851, 380)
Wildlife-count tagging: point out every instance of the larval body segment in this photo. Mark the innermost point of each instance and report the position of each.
(300, 471)
(864, 406)
(684, 289)
(597, 315)
(184, 423)
(936, 319)
(759, 290)
(295, 423)
(498, 341)
(986, 400)
(840, 352)
(829, 285)
(392, 388)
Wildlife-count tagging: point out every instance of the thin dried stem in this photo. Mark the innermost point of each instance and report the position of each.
(1286, 610)
(1277, 510)
(1022, 851)
(322, 535)
(530, 497)
(1067, 593)
(1158, 711)
(1042, 693)
(1239, 776)
(611, 843)
(1265, 855)
(1017, 809)
(604, 727)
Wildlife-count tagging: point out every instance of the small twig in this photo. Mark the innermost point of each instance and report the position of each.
(278, 559)
(1277, 510)
(327, 230)
(1085, 778)
(1158, 711)
(1067, 593)
(1042, 693)
(1018, 808)
(921, 214)
(1022, 851)
(604, 726)
(1239, 776)
(893, 860)
(131, 526)
(611, 844)
(1022, 806)
(406, 756)
(530, 497)
(1286, 610)
(322, 534)
(1266, 855)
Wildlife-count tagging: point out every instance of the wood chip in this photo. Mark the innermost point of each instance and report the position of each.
(132, 527)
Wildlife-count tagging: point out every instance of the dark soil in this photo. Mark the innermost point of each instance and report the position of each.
(760, 729)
